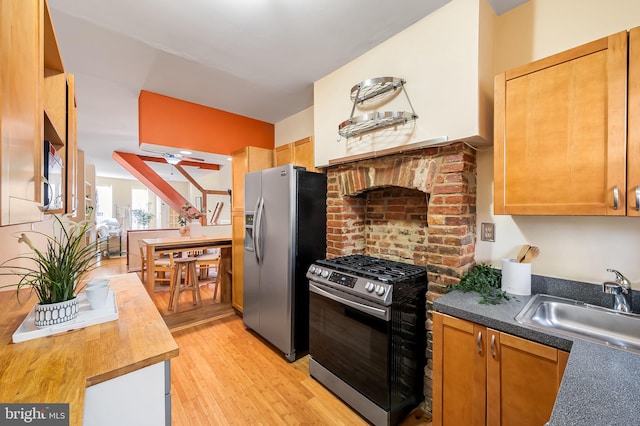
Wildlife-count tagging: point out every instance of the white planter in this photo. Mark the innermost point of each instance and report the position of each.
(55, 313)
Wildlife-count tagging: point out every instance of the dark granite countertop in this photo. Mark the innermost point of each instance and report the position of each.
(600, 384)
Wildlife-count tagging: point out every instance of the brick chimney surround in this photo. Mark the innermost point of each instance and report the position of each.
(415, 207)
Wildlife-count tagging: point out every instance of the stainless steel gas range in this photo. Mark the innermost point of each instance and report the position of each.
(366, 333)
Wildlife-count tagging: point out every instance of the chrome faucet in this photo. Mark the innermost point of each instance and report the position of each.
(621, 288)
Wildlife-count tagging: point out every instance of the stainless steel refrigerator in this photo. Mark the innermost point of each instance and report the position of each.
(285, 231)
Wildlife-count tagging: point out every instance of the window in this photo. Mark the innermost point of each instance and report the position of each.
(104, 203)
(140, 208)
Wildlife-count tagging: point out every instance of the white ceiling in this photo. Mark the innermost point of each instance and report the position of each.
(257, 58)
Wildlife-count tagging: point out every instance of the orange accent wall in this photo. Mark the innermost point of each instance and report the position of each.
(167, 121)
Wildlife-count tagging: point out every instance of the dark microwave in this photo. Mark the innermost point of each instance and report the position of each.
(53, 178)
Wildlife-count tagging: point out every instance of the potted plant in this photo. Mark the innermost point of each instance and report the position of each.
(55, 272)
(187, 214)
(142, 217)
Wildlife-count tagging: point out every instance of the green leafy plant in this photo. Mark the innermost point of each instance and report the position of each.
(485, 280)
(55, 272)
(142, 217)
(187, 214)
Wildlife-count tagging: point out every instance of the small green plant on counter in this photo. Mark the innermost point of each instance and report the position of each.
(485, 280)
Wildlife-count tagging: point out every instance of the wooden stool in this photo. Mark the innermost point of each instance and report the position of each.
(190, 282)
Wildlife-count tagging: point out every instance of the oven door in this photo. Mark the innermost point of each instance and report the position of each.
(351, 338)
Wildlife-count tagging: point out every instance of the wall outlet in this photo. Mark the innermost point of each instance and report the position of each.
(488, 232)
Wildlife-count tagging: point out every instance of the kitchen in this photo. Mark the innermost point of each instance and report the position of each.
(544, 27)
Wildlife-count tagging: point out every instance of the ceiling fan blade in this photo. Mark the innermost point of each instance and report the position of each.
(152, 151)
(189, 158)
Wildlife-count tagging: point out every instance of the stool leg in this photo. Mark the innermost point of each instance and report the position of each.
(194, 284)
(175, 288)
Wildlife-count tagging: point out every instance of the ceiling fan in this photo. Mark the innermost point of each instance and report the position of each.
(174, 159)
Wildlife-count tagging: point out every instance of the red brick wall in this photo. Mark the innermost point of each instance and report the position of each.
(396, 224)
(373, 209)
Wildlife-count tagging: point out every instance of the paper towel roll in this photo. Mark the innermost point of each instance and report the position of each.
(516, 277)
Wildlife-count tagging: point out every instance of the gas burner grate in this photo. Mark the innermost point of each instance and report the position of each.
(388, 271)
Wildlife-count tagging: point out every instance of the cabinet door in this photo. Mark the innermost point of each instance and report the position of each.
(459, 372)
(237, 260)
(239, 166)
(72, 182)
(21, 106)
(523, 378)
(304, 154)
(560, 142)
(283, 155)
(633, 146)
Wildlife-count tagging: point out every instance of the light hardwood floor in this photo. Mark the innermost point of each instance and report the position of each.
(227, 375)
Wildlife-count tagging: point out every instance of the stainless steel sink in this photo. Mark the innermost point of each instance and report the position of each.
(577, 319)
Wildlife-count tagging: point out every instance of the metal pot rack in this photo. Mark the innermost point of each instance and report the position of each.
(370, 89)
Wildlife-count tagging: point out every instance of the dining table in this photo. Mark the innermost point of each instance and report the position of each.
(159, 246)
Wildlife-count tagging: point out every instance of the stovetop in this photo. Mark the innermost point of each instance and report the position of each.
(366, 277)
(383, 270)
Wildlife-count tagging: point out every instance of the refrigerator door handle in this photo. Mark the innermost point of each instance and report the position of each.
(255, 230)
(258, 230)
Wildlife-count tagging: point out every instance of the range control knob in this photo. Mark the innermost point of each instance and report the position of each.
(312, 269)
(325, 274)
(317, 271)
(379, 290)
(369, 286)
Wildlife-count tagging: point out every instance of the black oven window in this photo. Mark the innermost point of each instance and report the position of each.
(352, 345)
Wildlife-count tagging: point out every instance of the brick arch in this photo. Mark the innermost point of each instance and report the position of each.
(447, 175)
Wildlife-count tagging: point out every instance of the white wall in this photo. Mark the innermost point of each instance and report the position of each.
(294, 128)
(439, 59)
(578, 248)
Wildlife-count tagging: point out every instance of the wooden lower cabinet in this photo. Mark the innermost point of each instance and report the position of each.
(486, 377)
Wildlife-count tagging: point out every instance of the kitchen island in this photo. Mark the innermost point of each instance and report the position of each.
(93, 367)
(594, 373)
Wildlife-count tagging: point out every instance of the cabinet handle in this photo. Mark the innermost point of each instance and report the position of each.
(493, 346)
(637, 198)
(615, 197)
(479, 342)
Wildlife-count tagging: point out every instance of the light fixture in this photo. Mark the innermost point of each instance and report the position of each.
(172, 160)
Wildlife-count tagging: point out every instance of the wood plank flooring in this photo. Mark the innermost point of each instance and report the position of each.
(227, 375)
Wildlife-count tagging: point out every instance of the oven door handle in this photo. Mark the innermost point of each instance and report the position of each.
(382, 314)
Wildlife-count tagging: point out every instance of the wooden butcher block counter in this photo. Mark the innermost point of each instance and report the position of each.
(63, 368)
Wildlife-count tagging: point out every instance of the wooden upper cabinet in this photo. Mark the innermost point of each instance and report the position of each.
(559, 126)
(245, 160)
(55, 107)
(283, 155)
(21, 74)
(73, 184)
(633, 125)
(54, 87)
(299, 153)
(304, 155)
